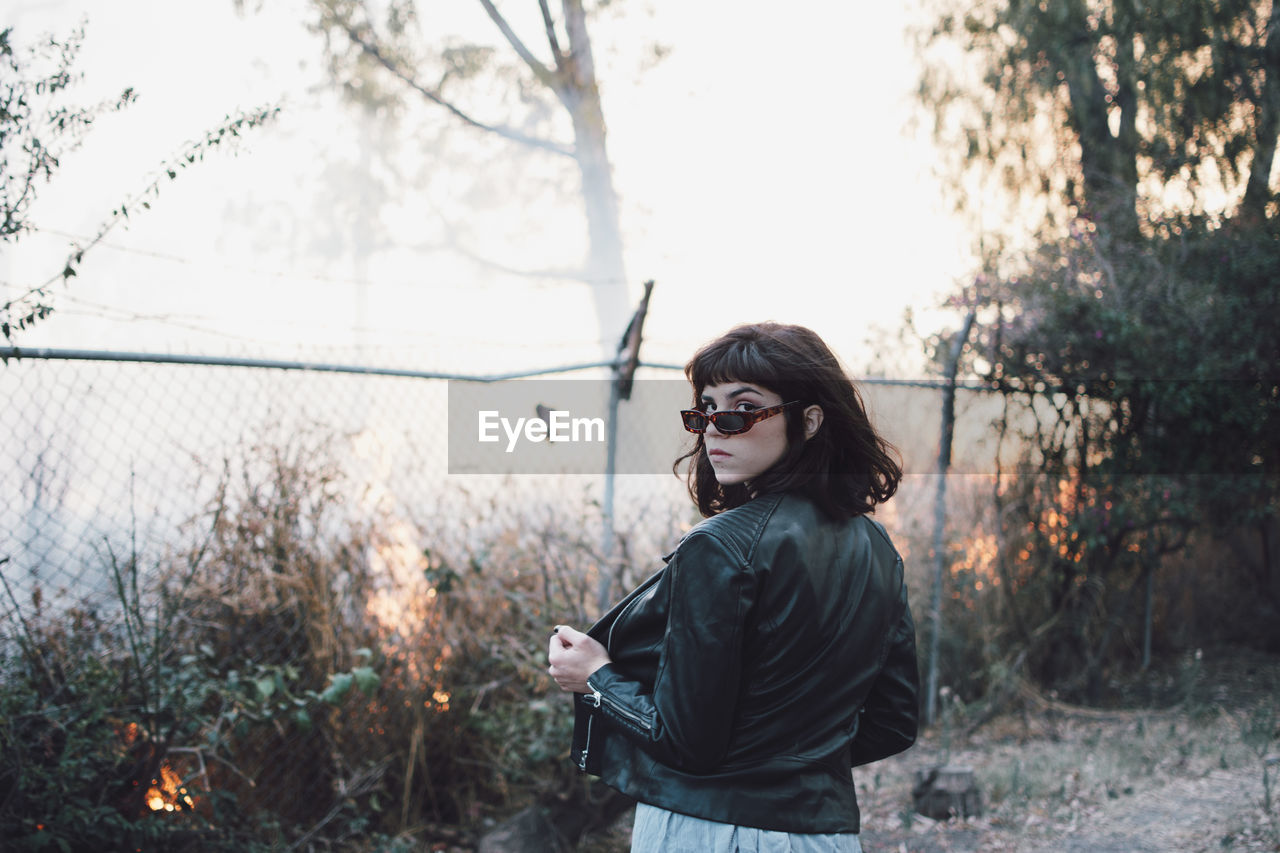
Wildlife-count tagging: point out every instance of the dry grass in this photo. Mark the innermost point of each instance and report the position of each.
(299, 583)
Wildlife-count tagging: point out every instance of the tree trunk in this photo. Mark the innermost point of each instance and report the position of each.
(1267, 124)
(1109, 169)
(606, 270)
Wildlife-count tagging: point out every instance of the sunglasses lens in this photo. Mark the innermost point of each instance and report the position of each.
(695, 421)
(730, 422)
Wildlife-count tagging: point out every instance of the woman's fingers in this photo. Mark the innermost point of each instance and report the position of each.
(558, 655)
(573, 656)
(569, 635)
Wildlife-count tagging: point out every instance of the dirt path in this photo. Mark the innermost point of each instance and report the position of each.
(1190, 806)
(1186, 814)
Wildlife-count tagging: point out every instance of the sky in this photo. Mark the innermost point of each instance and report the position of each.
(768, 169)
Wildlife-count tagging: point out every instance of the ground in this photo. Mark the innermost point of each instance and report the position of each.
(1185, 774)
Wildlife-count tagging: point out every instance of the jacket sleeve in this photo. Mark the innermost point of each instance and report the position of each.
(888, 719)
(686, 720)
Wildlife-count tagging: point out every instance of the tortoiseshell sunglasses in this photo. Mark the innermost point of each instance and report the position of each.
(731, 421)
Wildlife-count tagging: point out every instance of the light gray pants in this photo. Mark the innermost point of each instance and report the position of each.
(660, 831)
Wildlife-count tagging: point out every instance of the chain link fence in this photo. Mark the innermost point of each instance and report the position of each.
(275, 525)
(117, 453)
(107, 457)
(110, 453)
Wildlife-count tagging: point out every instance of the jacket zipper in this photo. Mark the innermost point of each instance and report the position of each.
(586, 747)
(597, 698)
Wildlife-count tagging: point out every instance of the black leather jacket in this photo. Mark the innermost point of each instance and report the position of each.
(772, 653)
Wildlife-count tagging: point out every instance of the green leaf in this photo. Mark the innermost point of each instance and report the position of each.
(303, 719)
(366, 679)
(266, 686)
(338, 689)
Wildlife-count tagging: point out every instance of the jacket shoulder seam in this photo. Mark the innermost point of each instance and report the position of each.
(884, 534)
(732, 538)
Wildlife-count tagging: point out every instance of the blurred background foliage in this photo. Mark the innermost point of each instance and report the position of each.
(1117, 169)
(1118, 166)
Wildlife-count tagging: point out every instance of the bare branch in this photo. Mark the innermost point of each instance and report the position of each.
(552, 40)
(544, 74)
(32, 301)
(452, 242)
(435, 97)
(560, 273)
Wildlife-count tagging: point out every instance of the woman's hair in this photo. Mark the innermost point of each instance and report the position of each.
(846, 467)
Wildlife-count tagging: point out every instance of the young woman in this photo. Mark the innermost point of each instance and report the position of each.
(731, 692)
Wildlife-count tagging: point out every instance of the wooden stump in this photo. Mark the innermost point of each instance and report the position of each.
(945, 792)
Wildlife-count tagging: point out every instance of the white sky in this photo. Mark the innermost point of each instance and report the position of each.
(765, 169)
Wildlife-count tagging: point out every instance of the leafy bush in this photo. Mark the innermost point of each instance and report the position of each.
(1140, 377)
(306, 671)
(86, 749)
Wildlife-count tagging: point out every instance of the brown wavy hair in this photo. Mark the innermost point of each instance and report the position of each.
(847, 468)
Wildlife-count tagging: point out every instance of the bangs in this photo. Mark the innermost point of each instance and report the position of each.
(732, 361)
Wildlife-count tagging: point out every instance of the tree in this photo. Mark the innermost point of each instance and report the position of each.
(38, 129)
(1151, 415)
(562, 79)
(1109, 111)
(1129, 315)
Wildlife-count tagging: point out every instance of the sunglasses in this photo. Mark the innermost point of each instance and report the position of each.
(729, 422)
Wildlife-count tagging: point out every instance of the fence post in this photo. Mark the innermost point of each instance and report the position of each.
(624, 371)
(606, 512)
(940, 515)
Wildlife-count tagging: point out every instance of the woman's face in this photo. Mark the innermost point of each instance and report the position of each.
(742, 457)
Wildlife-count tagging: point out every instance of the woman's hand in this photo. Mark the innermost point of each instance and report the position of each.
(574, 656)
